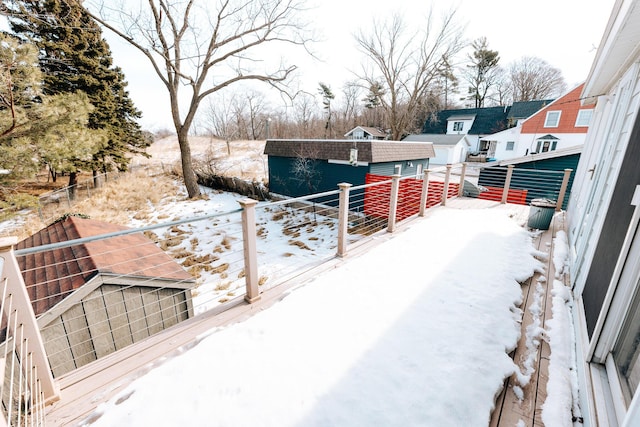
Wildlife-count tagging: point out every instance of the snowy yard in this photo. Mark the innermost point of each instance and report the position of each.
(414, 332)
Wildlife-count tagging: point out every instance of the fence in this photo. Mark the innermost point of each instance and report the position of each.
(50, 204)
(97, 287)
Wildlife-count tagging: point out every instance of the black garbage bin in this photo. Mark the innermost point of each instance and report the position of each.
(541, 213)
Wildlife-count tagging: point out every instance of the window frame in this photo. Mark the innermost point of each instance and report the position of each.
(548, 123)
(580, 117)
(511, 146)
(458, 126)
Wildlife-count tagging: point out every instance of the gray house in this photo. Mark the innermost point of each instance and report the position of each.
(302, 167)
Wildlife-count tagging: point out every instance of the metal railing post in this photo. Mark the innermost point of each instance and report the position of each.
(393, 203)
(507, 184)
(343, 218)
(425, 193)
(250, 250)
(445, 188)
(21, 308)
(563, 189)
(463, 172)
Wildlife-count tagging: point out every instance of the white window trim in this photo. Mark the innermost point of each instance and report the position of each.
(608, 329)
(578, 117)
(513, 146)
(546, 119)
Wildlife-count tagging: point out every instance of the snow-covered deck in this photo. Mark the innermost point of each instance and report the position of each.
(83, 390)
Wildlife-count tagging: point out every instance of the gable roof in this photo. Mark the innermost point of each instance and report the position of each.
(54, 274)
(437, 139)
(487, 120)
(524, 109)
(375, 132)
(569, 104)
(371, 151)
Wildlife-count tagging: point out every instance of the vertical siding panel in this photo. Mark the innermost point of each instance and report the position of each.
(134, 305)
(168, 308)
(57, 347)
(152, 309)
(75, 325)
(98, 321)
(179, 299)
(116, 310)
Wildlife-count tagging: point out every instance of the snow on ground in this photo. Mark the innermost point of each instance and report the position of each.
(414, 332)
(218, 241)
(562, 387)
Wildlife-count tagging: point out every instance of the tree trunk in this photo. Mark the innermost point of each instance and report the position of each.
(188, 174)
(73, 182)
(96, 179)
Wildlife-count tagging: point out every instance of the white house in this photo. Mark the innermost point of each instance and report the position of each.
(603, 218)
(449, 149)
(559, 124)
(366, 132)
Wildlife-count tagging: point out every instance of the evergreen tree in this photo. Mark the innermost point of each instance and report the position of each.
(38, 129)
(74, 57)
(482, 73)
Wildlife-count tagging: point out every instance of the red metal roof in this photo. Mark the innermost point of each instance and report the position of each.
(52, 275)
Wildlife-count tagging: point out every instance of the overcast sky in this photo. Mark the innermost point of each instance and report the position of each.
(565, 33)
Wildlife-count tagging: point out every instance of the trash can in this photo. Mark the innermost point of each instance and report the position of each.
(541, 213)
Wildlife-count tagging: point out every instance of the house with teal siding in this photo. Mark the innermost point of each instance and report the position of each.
(298, 167)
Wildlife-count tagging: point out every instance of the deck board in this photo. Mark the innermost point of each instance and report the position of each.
(509, 408)
(84, 389)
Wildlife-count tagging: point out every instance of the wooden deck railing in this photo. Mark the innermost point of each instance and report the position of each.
(351, 212)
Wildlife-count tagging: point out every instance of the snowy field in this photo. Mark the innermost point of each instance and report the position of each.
(410, 333)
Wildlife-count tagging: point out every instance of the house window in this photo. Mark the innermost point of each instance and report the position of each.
(458, 126)
(545, 146)
(552, 120)
(510, 145)
(419, 170)
(626, 352)
(584, 118)
(358, 134)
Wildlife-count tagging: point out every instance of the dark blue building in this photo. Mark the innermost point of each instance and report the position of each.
(301, 167)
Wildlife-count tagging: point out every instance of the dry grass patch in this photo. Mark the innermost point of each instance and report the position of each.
(171, 242)
(220, 268)
(223, 286)
(204, 260)
(299, 244)
(179, 253)
(278, 216)
(226, 242)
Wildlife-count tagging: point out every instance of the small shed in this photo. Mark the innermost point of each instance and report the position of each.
(301, 167)
(94, 298)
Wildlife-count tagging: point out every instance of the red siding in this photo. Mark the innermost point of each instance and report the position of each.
(377, 198)
(569, 105)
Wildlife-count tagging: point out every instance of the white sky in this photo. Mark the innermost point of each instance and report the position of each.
(565, 33)
(422, 339)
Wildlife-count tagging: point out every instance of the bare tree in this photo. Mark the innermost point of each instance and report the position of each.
(406, 63)
(351, 93)
(533, 78)
(205, 46)
(304, 112)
